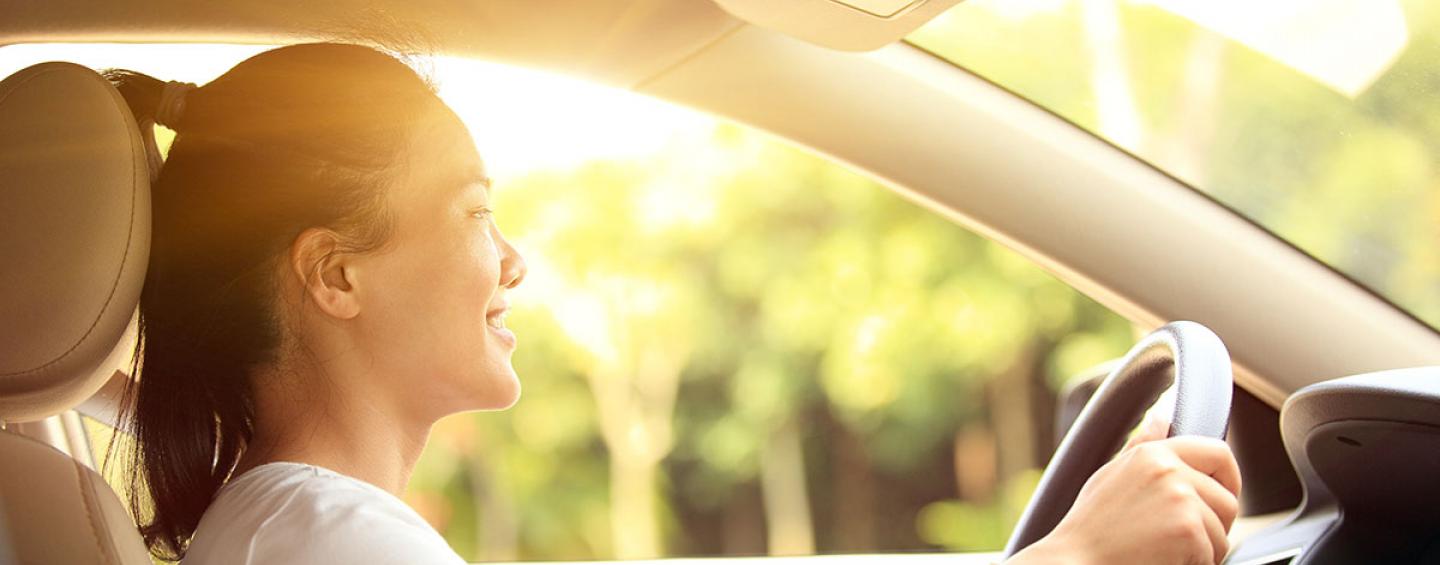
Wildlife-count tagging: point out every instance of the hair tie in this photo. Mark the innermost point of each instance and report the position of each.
(172, 103)
(168, 114)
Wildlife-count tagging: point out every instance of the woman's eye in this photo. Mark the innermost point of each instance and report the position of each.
(482, 213)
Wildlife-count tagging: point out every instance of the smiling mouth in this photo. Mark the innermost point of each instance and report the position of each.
(496, 319)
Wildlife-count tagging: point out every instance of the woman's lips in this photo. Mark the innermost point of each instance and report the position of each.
(506, 336)
(495, 322)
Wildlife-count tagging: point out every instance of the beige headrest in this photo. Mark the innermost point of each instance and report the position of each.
(74, 235)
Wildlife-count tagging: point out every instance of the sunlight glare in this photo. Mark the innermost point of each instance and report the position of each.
(525, 120)
(522, 120)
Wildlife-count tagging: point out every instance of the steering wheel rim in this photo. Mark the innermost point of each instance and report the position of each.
(1203, 385)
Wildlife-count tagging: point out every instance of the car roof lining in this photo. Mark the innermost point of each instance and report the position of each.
(615, 42)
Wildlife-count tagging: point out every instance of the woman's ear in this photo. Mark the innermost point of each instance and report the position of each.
(325, 272)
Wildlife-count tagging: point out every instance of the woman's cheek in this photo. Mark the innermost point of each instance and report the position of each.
(486, 257)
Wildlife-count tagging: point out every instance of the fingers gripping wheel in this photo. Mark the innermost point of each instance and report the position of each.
(1184, 353)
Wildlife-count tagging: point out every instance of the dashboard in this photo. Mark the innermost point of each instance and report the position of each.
(1367, 452)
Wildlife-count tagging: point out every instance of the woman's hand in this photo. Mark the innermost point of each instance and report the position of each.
(1162, 501)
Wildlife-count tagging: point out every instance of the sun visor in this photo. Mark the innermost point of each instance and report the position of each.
(848, 25)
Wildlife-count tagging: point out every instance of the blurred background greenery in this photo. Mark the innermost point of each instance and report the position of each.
(731, 347)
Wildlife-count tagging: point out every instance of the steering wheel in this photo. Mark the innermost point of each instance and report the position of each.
(1203, 383)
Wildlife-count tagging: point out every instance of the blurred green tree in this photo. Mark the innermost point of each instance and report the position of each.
(749, 320)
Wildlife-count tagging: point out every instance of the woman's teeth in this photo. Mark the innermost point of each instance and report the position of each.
(496, 320)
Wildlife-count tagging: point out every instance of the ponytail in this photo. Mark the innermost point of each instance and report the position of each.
(296, 137)
(190, 408)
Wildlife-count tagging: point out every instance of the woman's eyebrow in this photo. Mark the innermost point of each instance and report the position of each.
(471, 184)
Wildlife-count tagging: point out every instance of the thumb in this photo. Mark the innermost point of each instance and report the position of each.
(1153, 428)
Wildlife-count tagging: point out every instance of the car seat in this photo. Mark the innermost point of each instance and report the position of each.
(74, 242)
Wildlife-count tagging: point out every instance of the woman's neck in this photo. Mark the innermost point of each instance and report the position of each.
(312, 419)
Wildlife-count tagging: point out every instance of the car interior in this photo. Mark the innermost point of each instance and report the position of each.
(1328, 393)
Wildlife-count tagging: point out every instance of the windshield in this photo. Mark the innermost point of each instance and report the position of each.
(1317, 119)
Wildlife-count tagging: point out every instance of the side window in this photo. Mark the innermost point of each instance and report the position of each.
(728, 345)
(731, 346)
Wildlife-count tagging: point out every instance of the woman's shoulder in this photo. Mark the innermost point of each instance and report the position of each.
(301, 486)
(292, 512)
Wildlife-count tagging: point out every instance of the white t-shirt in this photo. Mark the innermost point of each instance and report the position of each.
(297, 513)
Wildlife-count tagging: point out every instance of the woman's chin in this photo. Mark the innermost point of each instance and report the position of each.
(508, 402)
(503, 393)
(496, 387)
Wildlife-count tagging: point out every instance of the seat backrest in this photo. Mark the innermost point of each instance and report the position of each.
(74, 243)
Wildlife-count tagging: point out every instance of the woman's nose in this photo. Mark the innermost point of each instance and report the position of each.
(512, 265)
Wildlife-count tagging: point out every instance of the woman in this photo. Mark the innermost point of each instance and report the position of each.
(326, 282)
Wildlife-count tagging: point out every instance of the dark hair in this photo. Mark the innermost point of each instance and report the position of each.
(296, 137)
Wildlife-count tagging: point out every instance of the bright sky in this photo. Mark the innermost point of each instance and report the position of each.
(522, 120)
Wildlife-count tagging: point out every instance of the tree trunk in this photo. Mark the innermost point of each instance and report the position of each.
(787, 504)
(975, 463)
(634, 522)
(636, 412)
(743, 514)
(1012, 417)
(852, 492)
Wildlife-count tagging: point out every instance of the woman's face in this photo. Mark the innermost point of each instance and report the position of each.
(433, 300)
